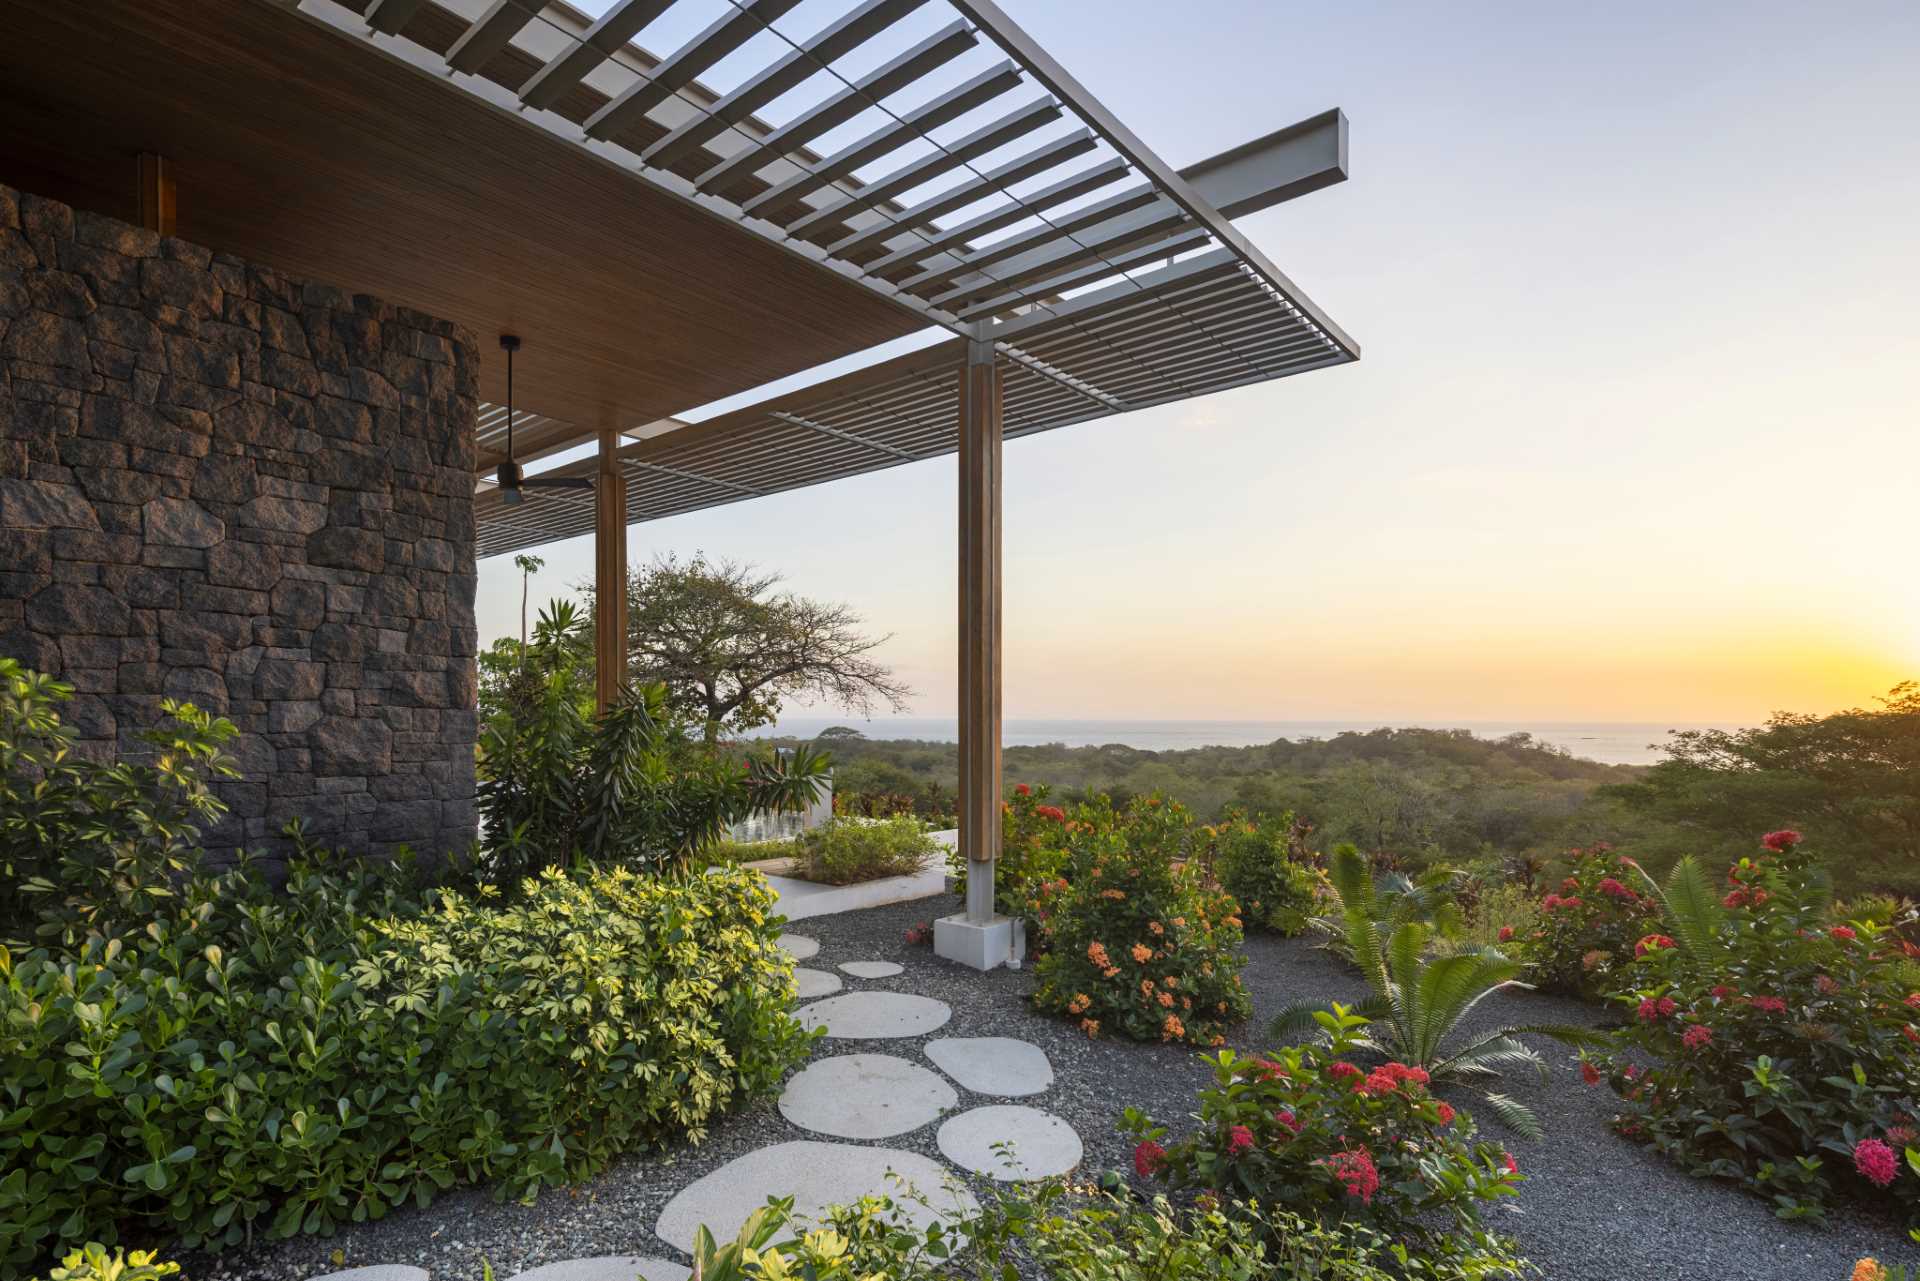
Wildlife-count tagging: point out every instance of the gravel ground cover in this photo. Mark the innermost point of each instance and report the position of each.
(1594, 1208)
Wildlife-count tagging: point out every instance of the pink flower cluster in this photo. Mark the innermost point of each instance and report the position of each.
(1355, 1170)
(1239, 1141)
(1387, 1079)
(1651, 1009)
(1553, 902)
(1875, 1162)
(1148, 1159)
(1769, 1005)
(1781, 841)
(1652, 942)
(1697, 1036)
(1615, 890)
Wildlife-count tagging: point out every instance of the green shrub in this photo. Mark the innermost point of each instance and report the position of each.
(1582, 935)
(251, 1062)
(1136, 944)
(1308, 1131)
(844, 851)
(93, 846)
(1256, 861)
(1784, 1050)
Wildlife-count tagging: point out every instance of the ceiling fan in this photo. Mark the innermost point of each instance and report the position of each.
(513, 483)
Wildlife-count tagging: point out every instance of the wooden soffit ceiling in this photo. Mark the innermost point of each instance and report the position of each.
(295, 149)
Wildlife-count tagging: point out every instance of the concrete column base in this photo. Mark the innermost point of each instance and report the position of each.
(981, 946)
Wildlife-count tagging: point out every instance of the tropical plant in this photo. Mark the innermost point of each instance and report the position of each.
(1136, 943)
(1769, 1044)
(92, 1262)
(1417, 1003)
(91, 846)
(1033, 853)
(1260, 863)
(629, 786)
(1308, 1131)
(845, 851)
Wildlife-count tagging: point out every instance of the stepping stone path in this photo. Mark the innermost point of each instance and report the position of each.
(865, 1096)
(606, 1267)
(815, 1175)
(872, 969)
(1043, 1144)
(815, 983)
(993, 1065)
(855, 1096)
(867, 1016)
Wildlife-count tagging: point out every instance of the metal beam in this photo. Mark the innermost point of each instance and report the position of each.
(989, 137)
(929, 55)
(1009, 35)
(606, 37)
(1139, 204)
(723, 35)
(1072, 187)
(388, 16)
(889, 138)
(799, 65)
(1112, 264)
(493, 31)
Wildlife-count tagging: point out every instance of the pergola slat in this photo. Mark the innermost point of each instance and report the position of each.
(389, 16)
(492, 32)
(1069, 188)
(721, 37)
(606, 37)
(1054, 232)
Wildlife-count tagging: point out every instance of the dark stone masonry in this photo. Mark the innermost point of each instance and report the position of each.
(224, 486)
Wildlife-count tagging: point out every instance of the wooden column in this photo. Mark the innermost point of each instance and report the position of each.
(154, 193)
(609, 573)
(980, 654)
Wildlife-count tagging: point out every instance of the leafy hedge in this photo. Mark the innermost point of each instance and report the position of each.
(1259, 861)
(847, 851)
(253, 1063)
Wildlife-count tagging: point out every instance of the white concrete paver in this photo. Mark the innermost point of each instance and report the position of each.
(1043, 1144)
(865, 1016)
(865, 1096)
(996, 1065)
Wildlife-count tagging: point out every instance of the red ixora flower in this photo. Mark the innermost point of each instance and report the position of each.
(1354, 1168)
(1508, 1161)
(1506, 933)
(1286, 1120)
(1590, 1074)
(1341, 1070)
(1239, 1140)
(1769, 1004)
(1697, 1036)
(1446, 1114)
(1913, 1001)
(1781, 841)
(1053, 812)
(1021, 789)
(1148, 1159)
(1651, 1009)
(1651, 943)
(1842, 933)
(1720, 992)
(1735, 898)
(1875, 1162)
(1614, 889)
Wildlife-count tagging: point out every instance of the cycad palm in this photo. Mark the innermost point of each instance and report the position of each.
(1416, 1003)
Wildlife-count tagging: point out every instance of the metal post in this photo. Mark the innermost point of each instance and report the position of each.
(980, 650)
(609, 573)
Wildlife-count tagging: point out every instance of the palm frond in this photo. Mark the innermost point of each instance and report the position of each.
(1516, 1116)
(1692, 911)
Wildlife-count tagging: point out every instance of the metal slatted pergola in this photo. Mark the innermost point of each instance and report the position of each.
(966, 178)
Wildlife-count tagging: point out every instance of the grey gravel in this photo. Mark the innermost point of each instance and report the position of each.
(1594, 1208)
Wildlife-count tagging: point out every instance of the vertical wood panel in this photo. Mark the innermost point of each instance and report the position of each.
(980, 647)
(155, 193)
(609, 573)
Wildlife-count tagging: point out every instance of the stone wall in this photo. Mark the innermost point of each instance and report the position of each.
(221, 485)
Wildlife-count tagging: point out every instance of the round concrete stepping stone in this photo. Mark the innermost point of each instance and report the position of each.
(606, 1267)
(866, 1016)
(815, 983)
(815, 1175)
(799, 946)
(997, 1065)
(872, 969)
(378, 1272)
(1043, 1144)
(865, 1096)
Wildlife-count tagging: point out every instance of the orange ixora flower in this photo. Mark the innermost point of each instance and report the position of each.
(1172, 980)
(1115, 895)
(1173, 1029)
(1869, 1269)
(1142, 953)
(1079, 1003)
(1097, 953)
(1166, 1000)
(1179, 922)
(1155, 928)
(1110, 972)
(1091, 1027)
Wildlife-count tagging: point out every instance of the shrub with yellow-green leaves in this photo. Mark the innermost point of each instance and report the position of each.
(252, 1063)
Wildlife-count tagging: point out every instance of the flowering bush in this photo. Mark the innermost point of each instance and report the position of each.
(1136, 944)
(1258, 862)
(1307, 1130)
(1586, 927)
(1785, 1049)
(1033, 840)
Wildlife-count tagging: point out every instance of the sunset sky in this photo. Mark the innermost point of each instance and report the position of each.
(1635, 437)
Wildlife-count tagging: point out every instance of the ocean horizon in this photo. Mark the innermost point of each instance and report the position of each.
(1608, 742)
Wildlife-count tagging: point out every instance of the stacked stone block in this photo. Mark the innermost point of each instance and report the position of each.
(221, 485)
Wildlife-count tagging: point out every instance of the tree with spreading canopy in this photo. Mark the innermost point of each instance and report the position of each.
(731, 648)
